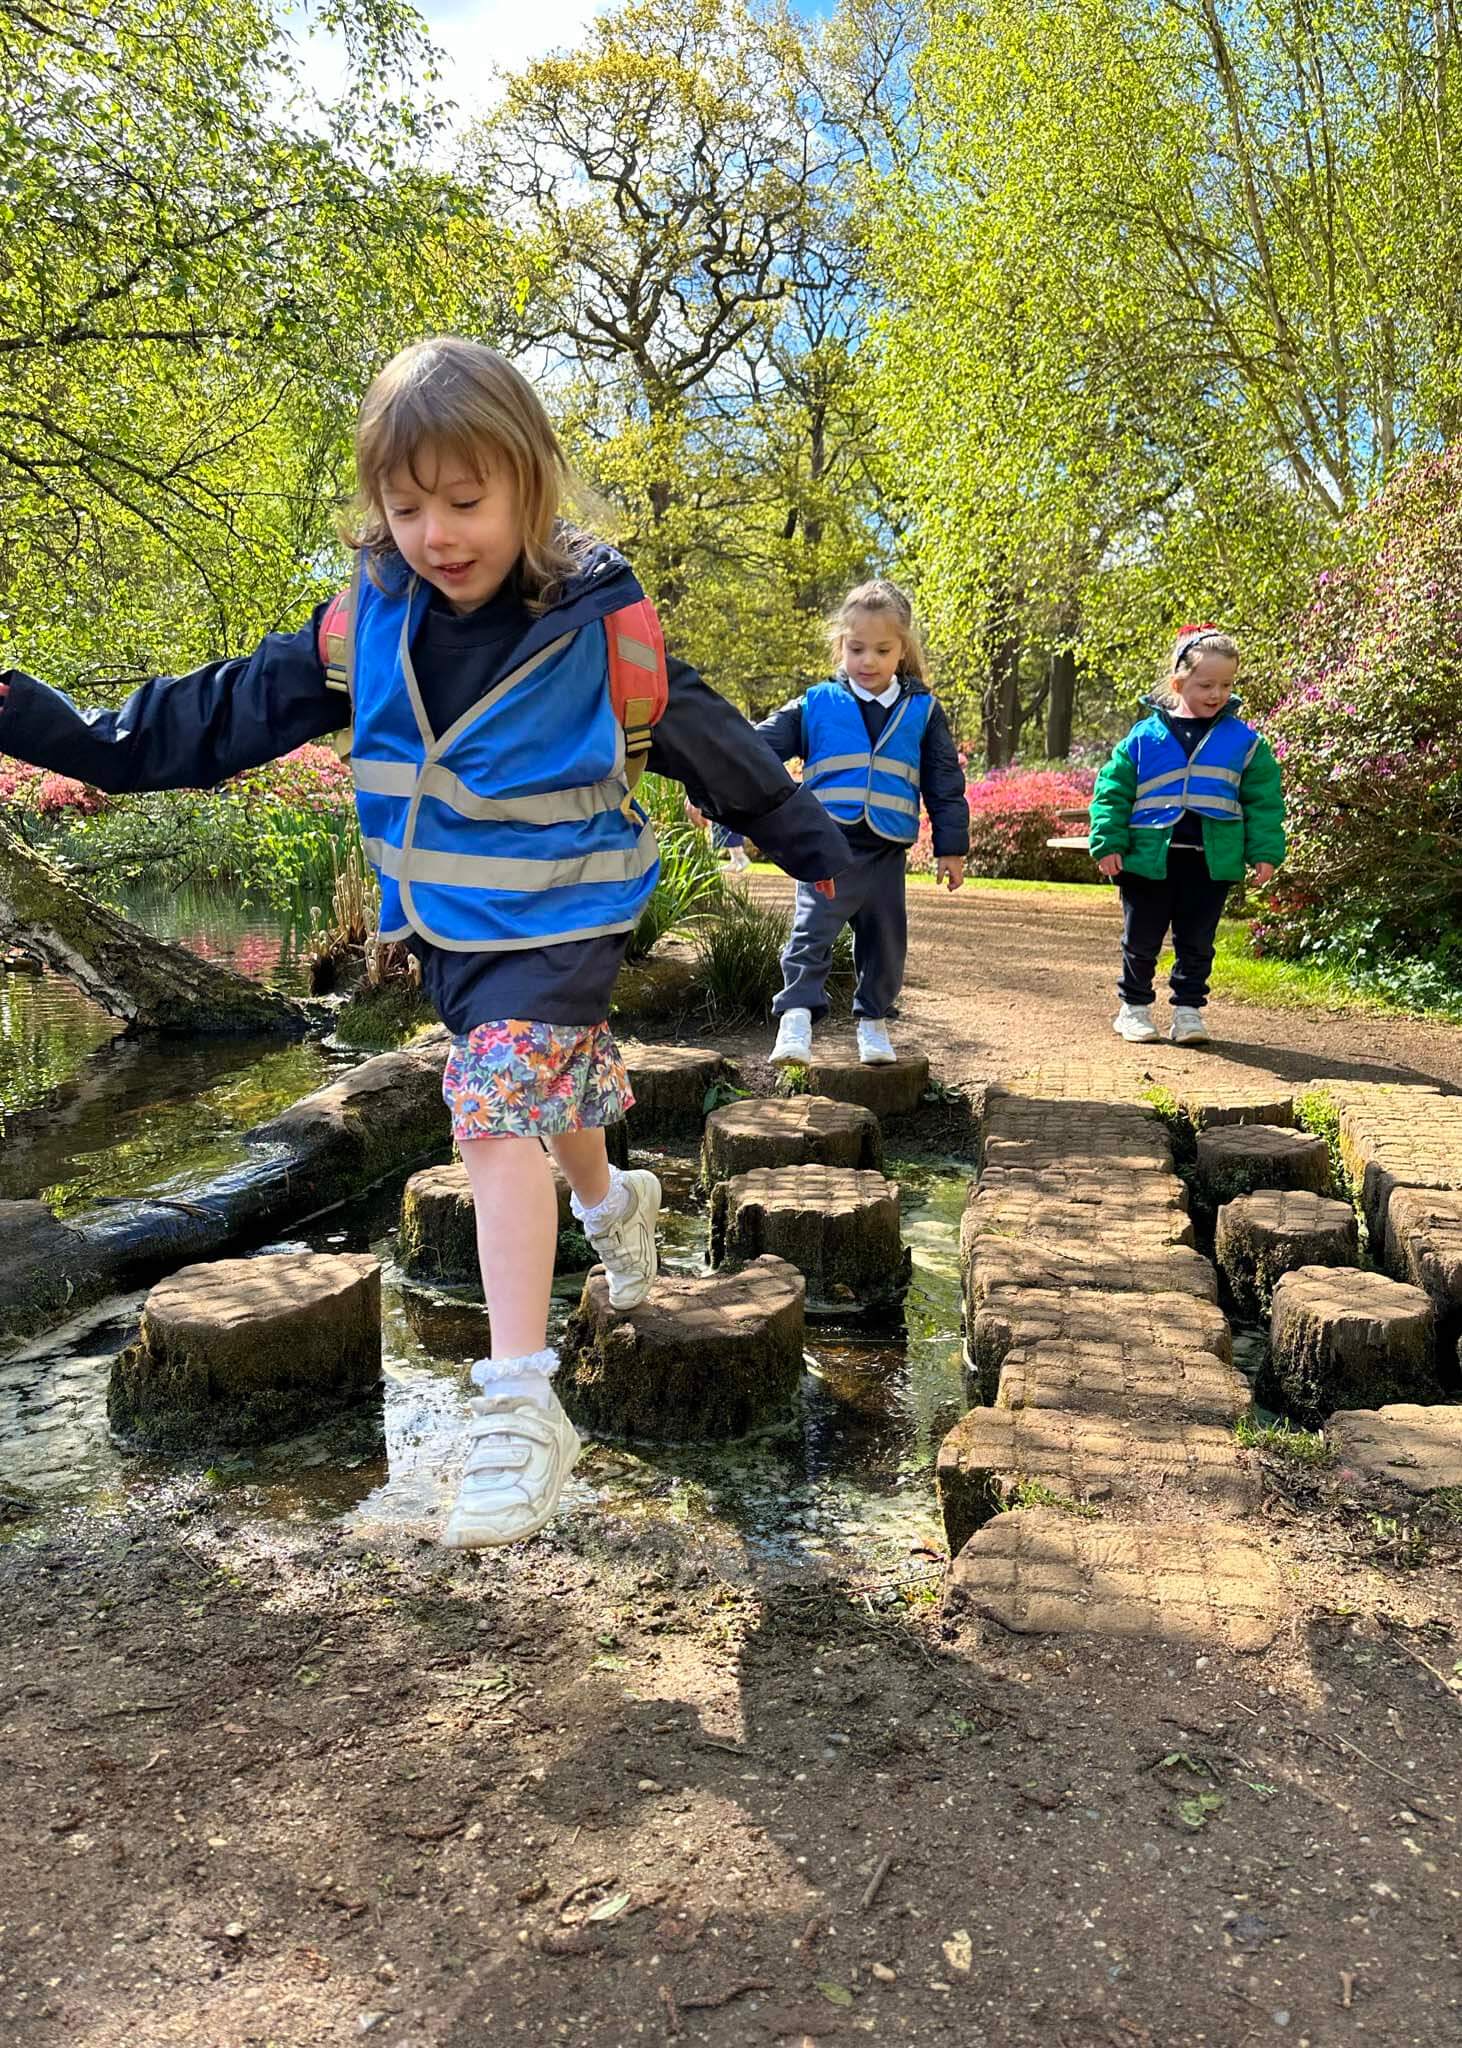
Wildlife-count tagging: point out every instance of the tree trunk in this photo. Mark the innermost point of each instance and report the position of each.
(151, 985)
(1061, 703)
(1001, 708)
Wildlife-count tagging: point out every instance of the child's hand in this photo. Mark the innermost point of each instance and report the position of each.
(950, 873)
(1263, 871)
(1110, 865)
(696, 817)
(828, 889)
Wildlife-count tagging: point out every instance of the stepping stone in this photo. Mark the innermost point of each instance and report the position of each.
(243, 1351)
(670, 1084)
(1408, 1138)
(1081, 1316)
(1237, 1158)
(1340, 1339)
(436, 1240)
(837, 1226)
(1038, 1134)
(798, 1130)
(1122, 1378)
(1004, 1207)
(993, 1454)
(1197, 1584)
(1405, 1445)
(1276, 1231)
(1424, 1247)
(889, 1091)
(997, 1267)
(1221, 1094)
(705, 1357)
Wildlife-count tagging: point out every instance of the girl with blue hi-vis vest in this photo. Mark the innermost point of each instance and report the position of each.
(504, 681)
(873, 742)
(1190, 798)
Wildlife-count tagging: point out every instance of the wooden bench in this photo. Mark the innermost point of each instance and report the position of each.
(1072, 842)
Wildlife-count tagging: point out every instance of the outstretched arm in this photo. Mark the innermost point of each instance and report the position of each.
(731, 773)
(179, 732)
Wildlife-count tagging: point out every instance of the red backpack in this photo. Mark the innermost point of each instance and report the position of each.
(638, 682)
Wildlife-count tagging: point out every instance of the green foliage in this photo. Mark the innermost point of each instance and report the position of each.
(690, 889)
(739, 960)
(1283, 1440)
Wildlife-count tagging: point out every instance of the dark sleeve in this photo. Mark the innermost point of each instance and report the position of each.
(942, 786)
(180, 732)
(782, 731)
(730, 772)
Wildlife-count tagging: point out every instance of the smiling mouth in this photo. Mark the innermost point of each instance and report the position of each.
(450, 568)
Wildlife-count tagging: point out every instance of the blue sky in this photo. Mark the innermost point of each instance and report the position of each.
(479, 36)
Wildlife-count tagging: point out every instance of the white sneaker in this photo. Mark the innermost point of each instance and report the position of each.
(794, 1039)
(1134, 1023)
(874, 1047)
(627, 1248)
(519, 1454)
(1188, 1027)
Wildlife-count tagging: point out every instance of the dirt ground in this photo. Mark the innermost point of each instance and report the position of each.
(268, 1786)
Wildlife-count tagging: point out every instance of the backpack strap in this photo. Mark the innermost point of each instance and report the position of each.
(335, 643)
(638, 681)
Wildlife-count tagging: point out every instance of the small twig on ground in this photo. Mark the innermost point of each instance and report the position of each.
(589, 1884)
(138, 1707)
(875, 1883)
(439, 1830)
(726, 1748)
(673, 2026)
(1448, 1685)
(737, 1990)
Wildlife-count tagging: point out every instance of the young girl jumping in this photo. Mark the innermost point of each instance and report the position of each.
(476, 660)
(1189, 798)
(872, 742)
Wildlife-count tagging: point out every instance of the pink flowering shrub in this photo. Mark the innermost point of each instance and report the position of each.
(1013, 812)
(41, 794)
(1367, 726)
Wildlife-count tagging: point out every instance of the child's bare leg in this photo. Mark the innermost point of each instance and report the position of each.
(584, 1161)
(517, 1225)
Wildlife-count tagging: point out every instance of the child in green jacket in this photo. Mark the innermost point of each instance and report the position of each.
(1188, 800)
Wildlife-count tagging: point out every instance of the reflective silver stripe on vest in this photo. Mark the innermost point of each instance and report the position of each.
(547, 807)
(484, 871)
(1220, 806)
(383, 778)
(1161, 781)
(1233, 775)
(856, 793)
(834, 764)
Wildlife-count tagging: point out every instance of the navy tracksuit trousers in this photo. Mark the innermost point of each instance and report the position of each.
(1188, 900)
(871, 899)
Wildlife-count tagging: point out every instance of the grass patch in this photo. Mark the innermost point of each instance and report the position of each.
(1030, 1493)
(1284, 1440)
(1296, 985)
(1177, 1120)
(1079, 890)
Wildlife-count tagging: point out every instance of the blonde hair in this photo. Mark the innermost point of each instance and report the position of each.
(449, 397)
(1192, 643)
(879, 596)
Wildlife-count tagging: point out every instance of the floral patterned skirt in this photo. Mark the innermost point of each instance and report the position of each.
(517, 1079)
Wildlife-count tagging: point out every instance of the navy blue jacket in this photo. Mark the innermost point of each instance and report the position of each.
(196, 730)
(941, 779)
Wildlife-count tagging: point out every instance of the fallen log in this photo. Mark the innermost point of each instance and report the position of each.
(149, 984)
(385, 1115)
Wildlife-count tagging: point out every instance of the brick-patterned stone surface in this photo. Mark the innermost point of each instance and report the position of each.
(1263, 1236)
(1424, 1248)
(244, 1350)
(1122, 1377)
(802, 1130)
(1001, 1206)
(1086, 1457)
(1001, 1265)
(890, 1091)
(1405, 1445)
(1237, 1158)
(1080, 1315)
(704, 1357)
(669, 1084)
(1408, 1138)
(1340, 1339)
(1222, 1094)
(1037, 1134)
(1196, 1584)
(839, 1227)
(436, 1239)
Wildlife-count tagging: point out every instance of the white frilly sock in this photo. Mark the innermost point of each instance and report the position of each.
(531, 1375)
(608, 1212)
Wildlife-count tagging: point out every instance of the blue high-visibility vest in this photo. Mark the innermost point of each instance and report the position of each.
(857, 783)
(514, 828)
(1170, 782)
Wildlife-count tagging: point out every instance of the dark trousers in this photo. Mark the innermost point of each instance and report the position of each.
(871, 899)
(1190, 903)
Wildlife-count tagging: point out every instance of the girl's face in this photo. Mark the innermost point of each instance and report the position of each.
(458, 531)
(1206, 687)
(873, 647)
